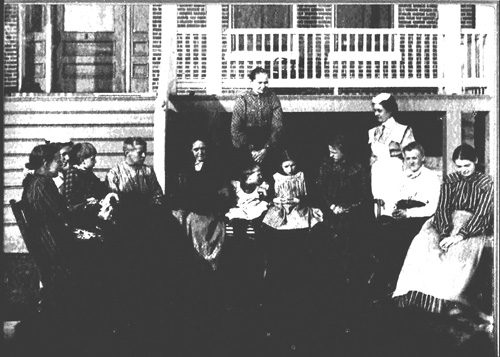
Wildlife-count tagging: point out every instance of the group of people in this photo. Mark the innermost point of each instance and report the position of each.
(426, 236)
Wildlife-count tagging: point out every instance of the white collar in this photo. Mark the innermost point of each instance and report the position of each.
(198, 165)
(414, 175)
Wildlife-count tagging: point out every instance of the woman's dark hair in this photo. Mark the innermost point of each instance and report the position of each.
(287, 155)
(388, 101)
(341, 143)
(256, 71)
(132, 141)
(40, 155)
(80, 152)
(465, 152)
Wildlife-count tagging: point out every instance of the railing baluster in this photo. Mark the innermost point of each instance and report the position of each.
(280, 64)
(356, 55)
(365, 62)
(474, 59)
(372, 63)
(407, 56)
(306, 55)
(414, 58)
(422, 56)
(330, 55)
(314, 55)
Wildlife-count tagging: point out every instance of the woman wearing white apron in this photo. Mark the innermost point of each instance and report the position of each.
(387, 168)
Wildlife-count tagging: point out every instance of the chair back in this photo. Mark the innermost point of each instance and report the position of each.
(22, 219)
(18, 208)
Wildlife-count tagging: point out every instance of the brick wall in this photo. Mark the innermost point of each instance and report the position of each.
(314, 16)
(191, 15)
(468, 16)
(418, 15)
(156, 46)
(10, 48)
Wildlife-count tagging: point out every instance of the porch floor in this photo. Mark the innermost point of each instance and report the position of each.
(238, 323)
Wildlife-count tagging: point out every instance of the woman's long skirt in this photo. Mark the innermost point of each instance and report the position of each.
(431, 276)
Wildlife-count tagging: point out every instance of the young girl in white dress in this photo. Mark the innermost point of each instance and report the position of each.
(251, 204)
(289, 210)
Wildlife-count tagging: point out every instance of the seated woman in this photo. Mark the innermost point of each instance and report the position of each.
(53, 244)
(343, 191)
(82, 189)
(198, 197)
(444, 255)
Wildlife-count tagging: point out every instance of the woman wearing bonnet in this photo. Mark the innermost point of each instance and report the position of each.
(386, 169)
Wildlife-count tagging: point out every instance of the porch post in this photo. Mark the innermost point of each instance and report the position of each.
(452, 136)
(166, 85)
(449, 25)
(214, 49)
(492, 162)
(21, 36)
(49, 53)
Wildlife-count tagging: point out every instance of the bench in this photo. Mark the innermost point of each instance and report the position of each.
(230, 231)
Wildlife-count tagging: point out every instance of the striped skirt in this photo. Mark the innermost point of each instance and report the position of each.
(430, 277)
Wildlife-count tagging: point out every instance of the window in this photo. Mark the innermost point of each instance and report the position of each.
(261, 16)
(364, 16)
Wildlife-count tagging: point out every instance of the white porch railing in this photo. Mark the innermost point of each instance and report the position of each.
(332, 58)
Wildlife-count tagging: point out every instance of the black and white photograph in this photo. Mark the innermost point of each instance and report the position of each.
(250, 179)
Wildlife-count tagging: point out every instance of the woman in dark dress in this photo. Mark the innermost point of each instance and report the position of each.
(257, 123)
(82, 189)
(64, 301)
(344, 196)
(198, 198)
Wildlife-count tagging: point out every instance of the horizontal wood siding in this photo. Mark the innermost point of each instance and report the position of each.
(103, 121)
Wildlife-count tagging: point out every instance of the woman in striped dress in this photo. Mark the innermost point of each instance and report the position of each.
(444, 256)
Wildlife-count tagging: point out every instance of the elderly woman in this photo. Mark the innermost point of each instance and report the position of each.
(386, 141)
(198, 199)
(257, 121)
(444, 255)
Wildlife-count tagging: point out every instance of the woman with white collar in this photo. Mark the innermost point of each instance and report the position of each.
(386, 166)
(198, 197)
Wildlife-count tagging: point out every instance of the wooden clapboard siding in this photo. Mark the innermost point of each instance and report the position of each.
(105, 121)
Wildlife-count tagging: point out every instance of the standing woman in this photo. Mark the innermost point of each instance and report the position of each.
(257, 122)
(386, 167)
(444, 255)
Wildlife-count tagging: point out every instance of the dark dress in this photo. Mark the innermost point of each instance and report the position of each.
(257, 122)
(53, 239)
(67, 303)
(346, 184)
(197, 204)
(78, 186)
